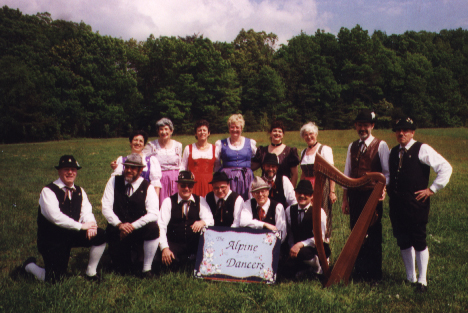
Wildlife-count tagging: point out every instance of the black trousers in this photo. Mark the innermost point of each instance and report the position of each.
(120, 250)
(294, 265)
(56, 253)
(409, 220)
(368, 264)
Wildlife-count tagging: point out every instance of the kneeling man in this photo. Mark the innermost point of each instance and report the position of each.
(261, 211)
(225, 204)
(183, 216)
(303, 253)
(130, 205)
(65, 220)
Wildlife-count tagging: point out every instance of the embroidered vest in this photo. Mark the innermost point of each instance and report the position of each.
(365, 162)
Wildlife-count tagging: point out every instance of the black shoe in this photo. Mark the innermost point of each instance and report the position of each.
(148, 275)
(420, 288)
(27, 262)
(96, 278)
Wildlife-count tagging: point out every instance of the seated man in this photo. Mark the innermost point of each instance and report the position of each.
(281, 189)
(65, 220)
(261, 211)
(183, 216)
(130, 205)
(303, 253)
(225, 204)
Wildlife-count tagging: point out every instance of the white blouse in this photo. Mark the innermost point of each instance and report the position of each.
(169, 158)
(326, 153)
(197, 154)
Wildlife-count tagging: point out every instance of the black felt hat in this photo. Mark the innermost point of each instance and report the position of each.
(68, 161)
(185, 177)
(270, 158)
(404, 123)
(304, 186)
(219, 176)
(365, 116)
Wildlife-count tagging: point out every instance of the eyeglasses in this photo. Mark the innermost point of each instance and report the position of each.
(185, 185)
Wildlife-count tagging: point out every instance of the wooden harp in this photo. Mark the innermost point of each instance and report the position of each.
(344, 265)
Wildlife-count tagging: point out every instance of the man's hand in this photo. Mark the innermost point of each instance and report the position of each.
(423, 194)
(295, 249)
(270, 227)
(345, 206)
(89, 225)
(332, 197)
(113, 165)
(197, 226)
(90, 233)
(167, 256)
(384, 192)
(125, 230)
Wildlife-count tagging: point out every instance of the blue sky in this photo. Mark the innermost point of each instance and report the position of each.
(221, 20)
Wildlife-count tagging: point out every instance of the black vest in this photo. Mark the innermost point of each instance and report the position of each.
(178, 229)
(228, 210)
(303, 230)
(129, 209)
(412, 176)
(270, 217)
(48, 231)
(277, 193)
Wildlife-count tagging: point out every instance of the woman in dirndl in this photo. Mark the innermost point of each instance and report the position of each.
(169, 154)
(199, 158)
(234, 156)
(309, 132)
(287, 156)
(151, 171)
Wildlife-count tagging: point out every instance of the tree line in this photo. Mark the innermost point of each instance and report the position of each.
(59, 79)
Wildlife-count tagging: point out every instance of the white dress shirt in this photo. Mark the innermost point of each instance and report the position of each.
(247, 220)
(165, 218)
(155, 170)
(151, 204)
(51, 211)
(218, 144)
(237, 208)
(427, 155)
(309, 241)
(383, 152)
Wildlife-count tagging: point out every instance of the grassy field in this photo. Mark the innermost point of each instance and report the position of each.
(26, 168)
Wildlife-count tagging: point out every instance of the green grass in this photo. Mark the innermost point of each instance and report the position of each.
(26, 168)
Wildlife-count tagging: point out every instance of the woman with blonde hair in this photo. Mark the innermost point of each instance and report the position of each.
(234, 156)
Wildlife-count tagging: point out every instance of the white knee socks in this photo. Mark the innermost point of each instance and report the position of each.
(422, 259)
(95, 254)
(149, 247)
(408, 256)
(37, 271)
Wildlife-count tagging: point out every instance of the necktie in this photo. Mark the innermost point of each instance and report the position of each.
(261, 213)
(361, 149)
(185, 208)
(300, 215)
(129, 189)
(219, 211)
(402, 153)
(68, 193)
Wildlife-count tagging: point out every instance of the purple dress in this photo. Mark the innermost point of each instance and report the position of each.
(236, 165)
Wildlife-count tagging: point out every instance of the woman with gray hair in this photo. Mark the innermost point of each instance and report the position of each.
(309, 132)
(169, 154)
(234, 156)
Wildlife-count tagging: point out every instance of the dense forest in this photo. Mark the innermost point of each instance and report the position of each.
(59, 79)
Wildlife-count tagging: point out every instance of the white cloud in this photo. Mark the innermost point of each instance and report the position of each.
(216, 19)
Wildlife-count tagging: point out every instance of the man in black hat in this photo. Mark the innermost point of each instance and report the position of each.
(261, 211)
(367, 154)
(303, 253)
(65, 220)
(281, 189)
(410, 164)
(225, 204)
(183, 216)
(130, 205)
